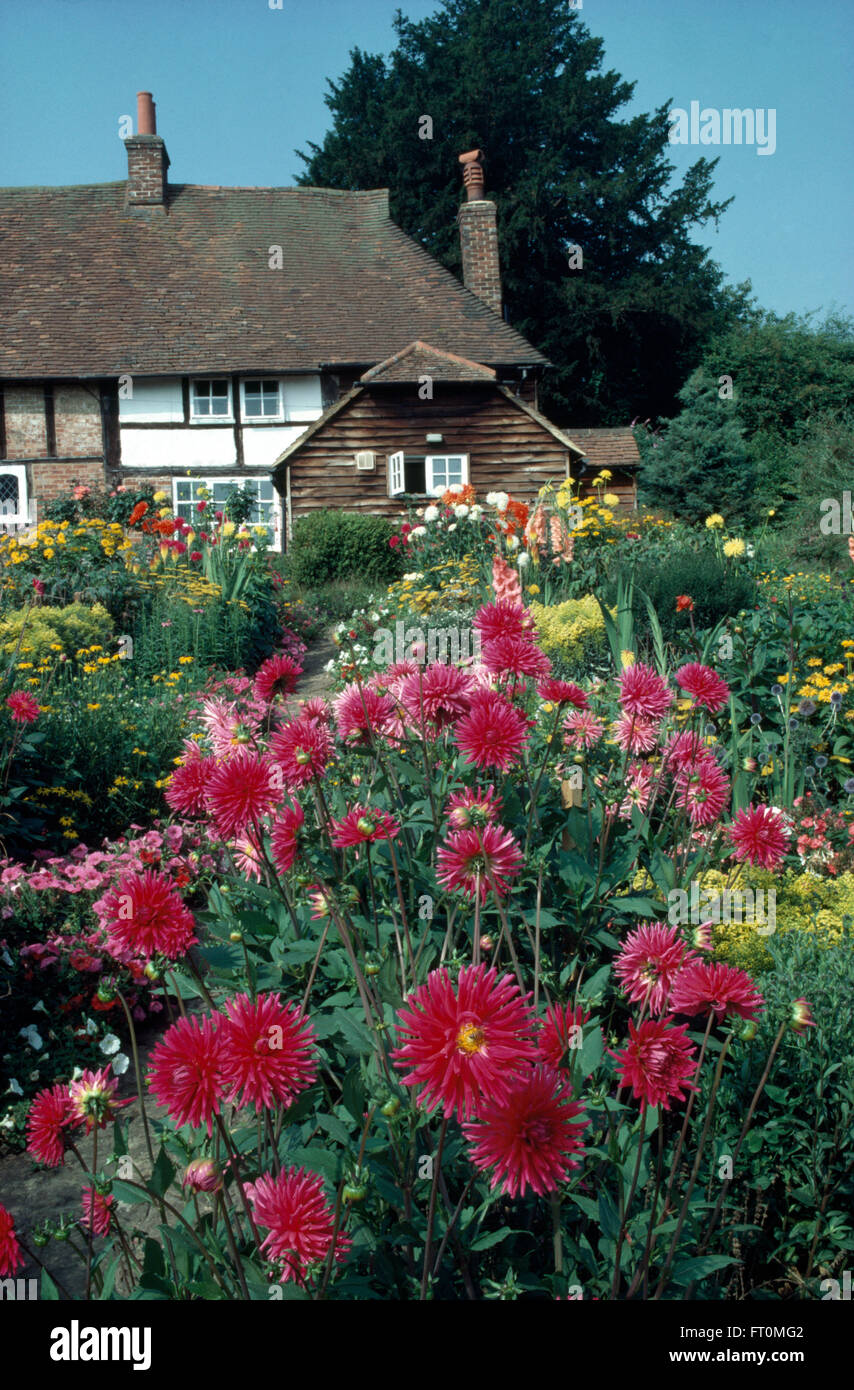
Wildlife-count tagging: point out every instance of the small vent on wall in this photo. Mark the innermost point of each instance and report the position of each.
(366, 461)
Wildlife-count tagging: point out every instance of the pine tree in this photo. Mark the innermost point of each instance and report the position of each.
(524, 81)
(700, 464)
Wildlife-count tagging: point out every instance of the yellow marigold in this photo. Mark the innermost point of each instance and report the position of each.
(714, 522)
(611, 499)
(734, 547)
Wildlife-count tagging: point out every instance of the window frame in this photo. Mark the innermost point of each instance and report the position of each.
(395, 471)
(230, 480)
(20, 519)
(278, 418)
(228, 418)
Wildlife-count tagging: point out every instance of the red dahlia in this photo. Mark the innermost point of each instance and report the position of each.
(760, 836)
(657, 1062)
(493, 733)
(24, 708)
(302, 748)
(703, 791)
(515, 656)
(561, 1034)
(642, 691)
(473, 806)
(49, 1117)
(267, 1051)
(463, 1044)
(240, 791)
(710, 987)
(470, 858)
(11, 1258)
(502, 619)
(186, 1071)
(96, 1211)
(93, 1099)
(562, 693)
(300, 1221)
(438, 695)
(635, 733)
(703, 685)
(363, 825)
(649, 962)
(144, 915)
(529, 1139)
(361, 713)
(284, 836)
(188, 785)
(278, 675)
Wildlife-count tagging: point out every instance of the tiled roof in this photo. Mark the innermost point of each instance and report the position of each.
(90, 287)
(603, 448)
(420, 359)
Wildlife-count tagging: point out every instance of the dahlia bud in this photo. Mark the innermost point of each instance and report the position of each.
(371, 968)
(748, 1032)
(486, 943)
(302, 757)
(801, 1016)
(235, 936)
(353, 1193)
(151, 971)
(391, 1107)
(749, 764)
(365, 826)
(40, 1238)
(356, 780)
(460, 818)
(202, 1175)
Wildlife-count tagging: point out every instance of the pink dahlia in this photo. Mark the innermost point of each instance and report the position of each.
(582, 730)
(186, 1071)
(144, 915)
(463, 1043)
(643, 692)
(801, 1015)
(49, 1117)
(710, 987)
(470, 858)
(361, 714)
(561, 1034)
(640, 782)
(96, 1211)
(704, 685)
(267, 1051)
(302, 748)
(473, 806)
(649, 962)
(493, 733)
(316, 708)
(760, 836)
(363, 825)
(239, 792)
(636, 734)
(299, 1219)
(11, 1258)
(562, 693)
(502, 619)
(277, 676)
(188, 785)
(532, 1138)
(683, 751)
(436, 696)
(703, 791)
(284, 836)
(24, 708)
(515, 656)
(93, 1099)
(657, 1062)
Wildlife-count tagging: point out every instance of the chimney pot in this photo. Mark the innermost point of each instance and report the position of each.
(473, 174)
(146, 119)
(479, 235)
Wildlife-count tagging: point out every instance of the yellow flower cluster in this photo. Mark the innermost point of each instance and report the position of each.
(452, 584)
(575, 630)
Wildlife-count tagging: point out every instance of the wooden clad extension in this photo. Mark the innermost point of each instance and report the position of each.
(509, 446)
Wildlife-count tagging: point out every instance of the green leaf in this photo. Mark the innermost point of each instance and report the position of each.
(123, 1192)
(49, 1291)
(592, 1048)
(698, 1267)
(490, 1238)
(609, 1219)
(162, 1174)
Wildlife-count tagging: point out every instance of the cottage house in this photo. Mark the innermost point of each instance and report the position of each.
(293, 341)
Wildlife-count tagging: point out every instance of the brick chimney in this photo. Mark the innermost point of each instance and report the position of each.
(479, 235)
(147, 158)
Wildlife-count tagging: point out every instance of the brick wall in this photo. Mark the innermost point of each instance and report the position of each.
(51, 479)
(26, 429)
(479, 247)
(77, 413)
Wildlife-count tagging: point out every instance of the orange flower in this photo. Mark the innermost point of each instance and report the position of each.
(138, 513)
(684, 603)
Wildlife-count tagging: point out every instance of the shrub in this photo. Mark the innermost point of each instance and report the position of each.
(719, 590)
(40, 631)
(330, 545)
(572, 632)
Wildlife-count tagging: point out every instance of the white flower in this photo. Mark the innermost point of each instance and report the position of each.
(38, 1008)
(491, 499)
(417, 531)
(430, 514)
(120, 1064)
(475, 512)
(416, 574)
(32, 1035)
(109, 1044)
(14, 1087)
(7, 960)
(523, 559)
(375, 617)
(453, 526)
(512, 542)
(501, 501)
(460, 511)
(455, 487)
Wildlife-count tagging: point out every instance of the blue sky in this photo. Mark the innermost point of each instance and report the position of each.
(239, 86)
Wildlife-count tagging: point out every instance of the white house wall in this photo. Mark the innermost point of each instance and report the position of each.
(261, 447)
(151, 402)
(185, 448)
